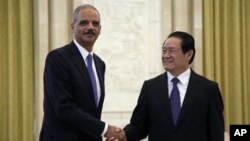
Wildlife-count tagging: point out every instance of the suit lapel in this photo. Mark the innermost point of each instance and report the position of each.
(99, 70)
(164, 98)
(81, 66)
(100, 77)
(192, 92)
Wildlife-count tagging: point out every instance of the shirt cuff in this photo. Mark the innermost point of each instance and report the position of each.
(105, 129)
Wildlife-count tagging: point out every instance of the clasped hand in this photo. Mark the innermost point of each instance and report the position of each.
(115, 134)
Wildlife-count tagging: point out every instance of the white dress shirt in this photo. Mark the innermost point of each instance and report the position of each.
(182, 85)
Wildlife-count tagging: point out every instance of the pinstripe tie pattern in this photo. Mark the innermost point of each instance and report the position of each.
(175, 100)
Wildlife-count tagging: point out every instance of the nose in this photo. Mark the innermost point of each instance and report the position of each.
(90, 25)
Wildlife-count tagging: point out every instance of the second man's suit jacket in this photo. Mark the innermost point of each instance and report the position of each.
(200, 119)
(70, 113)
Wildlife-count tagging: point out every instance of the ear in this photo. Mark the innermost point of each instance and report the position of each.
(190, 54)
(72, 27)
(100, 29)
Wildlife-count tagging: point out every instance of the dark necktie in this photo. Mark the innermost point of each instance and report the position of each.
(92, 77)
(175, 100)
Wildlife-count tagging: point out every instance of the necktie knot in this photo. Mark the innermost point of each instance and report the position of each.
(175, 80)
(89, 57)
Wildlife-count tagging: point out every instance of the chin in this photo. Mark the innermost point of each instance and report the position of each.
(89, 40)
(168, 67)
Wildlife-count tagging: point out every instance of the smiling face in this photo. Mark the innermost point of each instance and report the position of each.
(86, 27)
(173, 58)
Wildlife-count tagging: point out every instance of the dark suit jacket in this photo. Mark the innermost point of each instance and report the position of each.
(70, 113)
(200, 119)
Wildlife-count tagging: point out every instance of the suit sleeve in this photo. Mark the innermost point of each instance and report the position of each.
(216, 120)
(138, 126)
(59, 93)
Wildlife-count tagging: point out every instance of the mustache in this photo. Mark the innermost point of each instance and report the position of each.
(90, 32)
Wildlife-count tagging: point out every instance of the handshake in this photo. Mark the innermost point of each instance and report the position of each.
(115, 134)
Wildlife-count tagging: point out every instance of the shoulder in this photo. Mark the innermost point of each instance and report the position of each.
(59, 56)
(63, 53)
(201, 79)
(157, 79)
(62, 50)
(97, 58)
(207, 85)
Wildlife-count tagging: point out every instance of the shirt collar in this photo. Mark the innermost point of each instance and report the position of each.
(82, 50)
(183, 77)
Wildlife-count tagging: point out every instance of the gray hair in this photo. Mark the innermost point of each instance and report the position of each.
(80, 7)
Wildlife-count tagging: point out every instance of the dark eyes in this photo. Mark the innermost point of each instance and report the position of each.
(94, 23)
(83, 22)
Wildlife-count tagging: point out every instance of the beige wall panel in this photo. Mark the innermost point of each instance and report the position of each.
(166, 18)
(198, 35)
(181, 15)
(60, 11)
(76, 3)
